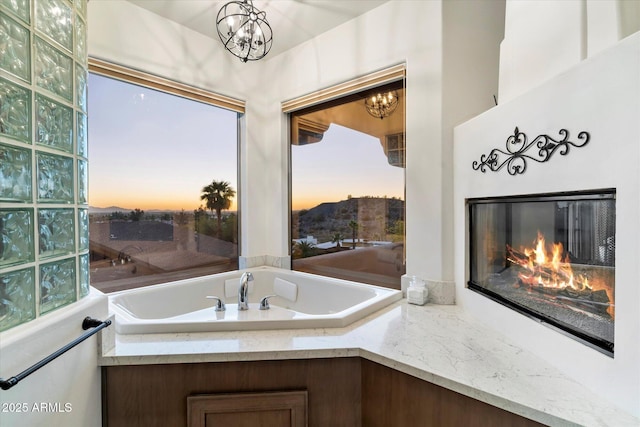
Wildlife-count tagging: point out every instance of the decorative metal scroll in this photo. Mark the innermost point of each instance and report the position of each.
(515, 159)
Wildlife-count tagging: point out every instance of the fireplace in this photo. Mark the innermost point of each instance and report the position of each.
(550, 257)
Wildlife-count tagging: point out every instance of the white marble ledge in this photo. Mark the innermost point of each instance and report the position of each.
(436, 343)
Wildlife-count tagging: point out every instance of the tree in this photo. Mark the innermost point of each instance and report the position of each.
(218, 196)
(336, 238)
(353, 225)
(304, 249)
(136, 215)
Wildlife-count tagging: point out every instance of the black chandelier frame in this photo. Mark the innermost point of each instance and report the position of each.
(249, 35)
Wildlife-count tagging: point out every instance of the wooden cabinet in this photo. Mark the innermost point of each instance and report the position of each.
(156, 395)
(339, 392)
(283, 409)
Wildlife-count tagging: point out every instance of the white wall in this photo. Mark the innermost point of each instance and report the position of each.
(125, 34)
(545, 38)
(351, 50)
(357, 48)
(471, 56)
(601, 95)
(70, 383)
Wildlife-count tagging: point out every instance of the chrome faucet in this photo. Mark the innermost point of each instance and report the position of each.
(243, 291)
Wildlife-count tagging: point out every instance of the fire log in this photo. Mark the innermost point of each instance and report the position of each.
(548, 274)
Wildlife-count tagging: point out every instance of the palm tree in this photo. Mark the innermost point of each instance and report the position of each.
(353, 225)
(218, 196)
(305, 249)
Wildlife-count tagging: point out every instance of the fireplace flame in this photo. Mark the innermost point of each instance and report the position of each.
(547, 268)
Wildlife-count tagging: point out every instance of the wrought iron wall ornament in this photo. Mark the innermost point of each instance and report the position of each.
(515, 159)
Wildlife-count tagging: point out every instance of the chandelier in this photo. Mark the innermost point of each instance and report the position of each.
(244, 30)
(381, 105)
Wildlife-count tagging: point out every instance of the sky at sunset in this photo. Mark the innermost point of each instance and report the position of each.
(346, 162)
(149, 150)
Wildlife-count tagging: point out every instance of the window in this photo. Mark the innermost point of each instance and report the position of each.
(163, 168)
(347, 189)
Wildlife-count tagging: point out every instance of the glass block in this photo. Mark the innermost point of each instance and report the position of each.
(54, 70)
(54, 124)
(53, 18)
(15, 49)
(15, 174)
(81, 7)
(83, 184)
(55, 178)
(20, 8)
(57, 284)
(81, 41)
(16, 237)
(17, 298)
(83, 229)
(56, 229)
(15, 111)
(81, 134)
(81, 87)
(83, 276)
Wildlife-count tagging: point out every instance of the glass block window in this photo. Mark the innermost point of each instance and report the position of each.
(15, 53)
(54, 124)
(54, 70)
(55, 178)
(15, 111)
(16, 236)
(17, 289)
(44, 226)
(54, 18)
(15, 174)
(20, 8)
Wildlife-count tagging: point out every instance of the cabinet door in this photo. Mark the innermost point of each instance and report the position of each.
(287, 409)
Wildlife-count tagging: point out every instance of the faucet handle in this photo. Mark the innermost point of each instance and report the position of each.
(219, 304)
(264, 302)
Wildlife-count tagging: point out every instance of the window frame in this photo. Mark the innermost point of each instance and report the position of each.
(354, 87)
(193, 93)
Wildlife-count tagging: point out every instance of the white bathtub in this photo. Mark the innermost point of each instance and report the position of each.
(182, 306)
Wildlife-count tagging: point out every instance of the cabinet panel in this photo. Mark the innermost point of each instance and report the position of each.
(392, 398)
(156, 395)
(285, 409)
(341, 392)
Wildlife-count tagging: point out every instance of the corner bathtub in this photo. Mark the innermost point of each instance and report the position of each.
(302, 301)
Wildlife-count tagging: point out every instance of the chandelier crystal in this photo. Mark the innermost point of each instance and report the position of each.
(244, 30)
(381, 105)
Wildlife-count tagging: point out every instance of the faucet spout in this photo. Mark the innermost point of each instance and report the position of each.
(243, 291)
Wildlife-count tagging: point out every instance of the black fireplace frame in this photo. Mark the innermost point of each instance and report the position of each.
(604, 346)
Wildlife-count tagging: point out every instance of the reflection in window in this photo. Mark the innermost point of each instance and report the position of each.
(162, 186)
(347, 190)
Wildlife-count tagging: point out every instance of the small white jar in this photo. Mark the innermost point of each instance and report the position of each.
(417, 292)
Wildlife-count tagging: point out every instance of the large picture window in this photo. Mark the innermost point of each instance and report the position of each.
(347, 186)
(163, 184)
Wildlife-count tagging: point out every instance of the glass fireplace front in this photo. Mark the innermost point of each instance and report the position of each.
(551, 257)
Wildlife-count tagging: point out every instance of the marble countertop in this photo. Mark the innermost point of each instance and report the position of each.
(437, 343)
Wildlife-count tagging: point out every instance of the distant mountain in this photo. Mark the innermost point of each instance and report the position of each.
(375, 216)
(96, 210)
